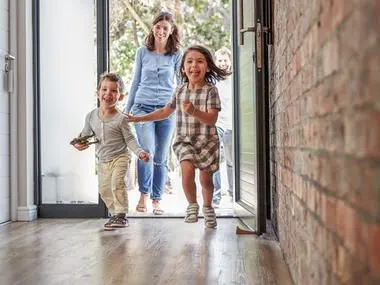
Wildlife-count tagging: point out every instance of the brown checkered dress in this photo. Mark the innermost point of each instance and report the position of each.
(196, 141)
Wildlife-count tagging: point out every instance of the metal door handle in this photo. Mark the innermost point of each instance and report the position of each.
(9, 57)
(9, 72)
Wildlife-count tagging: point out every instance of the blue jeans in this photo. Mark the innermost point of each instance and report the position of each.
(155, 138)
(225, 137)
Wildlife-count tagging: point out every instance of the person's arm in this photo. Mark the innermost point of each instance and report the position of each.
(135, 82)
(209, 117)
(132, 143)
(157, 115)
(177, 67)
(86, 131)
(212, 106)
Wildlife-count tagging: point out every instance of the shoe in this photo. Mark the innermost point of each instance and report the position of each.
(168, 189)
(117, 221)
(216, 204)
(141, 208)
(109, 223)
(192, 213)
(210, 217)
(157, 209)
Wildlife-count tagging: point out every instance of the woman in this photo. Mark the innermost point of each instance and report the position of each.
(156, 69)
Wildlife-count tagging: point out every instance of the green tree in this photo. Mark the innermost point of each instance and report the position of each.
(205, 22)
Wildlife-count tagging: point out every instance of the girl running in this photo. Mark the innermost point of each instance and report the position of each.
(196, 145)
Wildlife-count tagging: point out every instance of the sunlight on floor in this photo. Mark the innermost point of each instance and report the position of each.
(175, 204)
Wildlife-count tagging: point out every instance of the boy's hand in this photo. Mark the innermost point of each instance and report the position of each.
(132, 118)
(188, 107)
(144, 156)
(81, 146)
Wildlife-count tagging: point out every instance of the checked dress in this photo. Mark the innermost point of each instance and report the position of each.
(196, 141)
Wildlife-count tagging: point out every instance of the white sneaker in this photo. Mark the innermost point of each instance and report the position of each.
(192, 212)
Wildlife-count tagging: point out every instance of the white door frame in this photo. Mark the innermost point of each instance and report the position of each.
(13, 112)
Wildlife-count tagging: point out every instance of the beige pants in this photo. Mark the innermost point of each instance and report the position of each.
(112, 187)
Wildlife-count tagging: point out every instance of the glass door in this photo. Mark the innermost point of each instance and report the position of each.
(248, 110)
(67, 58)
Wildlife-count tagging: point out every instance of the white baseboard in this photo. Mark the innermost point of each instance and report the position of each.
(27, 214)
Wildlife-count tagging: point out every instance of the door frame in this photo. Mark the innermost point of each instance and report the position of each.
(64, 210)
(262, 111)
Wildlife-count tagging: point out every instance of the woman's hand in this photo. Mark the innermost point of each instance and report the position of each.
(144, 156)
(81, 146)
(188, 107)
(132, 118)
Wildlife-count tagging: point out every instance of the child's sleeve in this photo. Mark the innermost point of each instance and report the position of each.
(129, 138)
(135, 82)
(213, 100)
(87, 130)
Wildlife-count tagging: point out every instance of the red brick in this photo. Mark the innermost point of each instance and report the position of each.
(369, 79)
(325, 22)
(344, 265)
(363, 133)
(363, 195)
(374, 248)
(340, 10)
(330, 56)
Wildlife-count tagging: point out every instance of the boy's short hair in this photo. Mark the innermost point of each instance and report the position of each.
(113, 77)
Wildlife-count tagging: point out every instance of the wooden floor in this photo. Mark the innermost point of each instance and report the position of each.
(149, 252)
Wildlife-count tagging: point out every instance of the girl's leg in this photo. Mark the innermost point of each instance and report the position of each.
(207, 187)
(188, 181)
(189, 187)
(207, 192)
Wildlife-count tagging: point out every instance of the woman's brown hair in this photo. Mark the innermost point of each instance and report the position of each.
(173, 43)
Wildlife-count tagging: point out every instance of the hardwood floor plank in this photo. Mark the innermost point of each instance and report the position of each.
(150, 251)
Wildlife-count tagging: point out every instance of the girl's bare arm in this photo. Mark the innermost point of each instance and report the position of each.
(157, 115)
(210, 117)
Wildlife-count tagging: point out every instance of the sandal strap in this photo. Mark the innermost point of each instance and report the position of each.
(192, 209)
(192, 213)
(210, 217)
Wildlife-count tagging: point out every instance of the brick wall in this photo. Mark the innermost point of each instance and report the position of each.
(325, 139)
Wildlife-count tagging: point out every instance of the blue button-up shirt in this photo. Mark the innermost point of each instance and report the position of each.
(155, 78)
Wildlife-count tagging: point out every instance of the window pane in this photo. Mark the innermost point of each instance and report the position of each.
(68, 83)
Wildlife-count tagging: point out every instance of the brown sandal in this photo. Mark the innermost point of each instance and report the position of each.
(141, 208)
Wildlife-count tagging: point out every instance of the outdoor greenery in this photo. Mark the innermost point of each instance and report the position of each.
(205, 22)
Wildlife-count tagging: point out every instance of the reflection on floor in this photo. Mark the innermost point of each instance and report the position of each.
(151, 251)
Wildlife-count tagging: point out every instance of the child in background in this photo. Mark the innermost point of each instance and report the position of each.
(223, 59)
(115, 139)
(196, 144)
